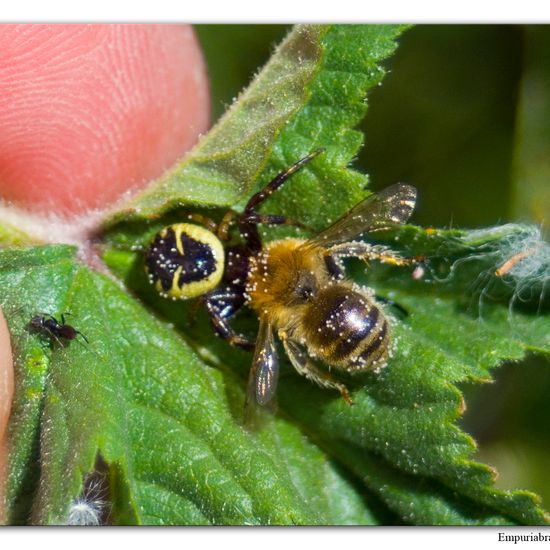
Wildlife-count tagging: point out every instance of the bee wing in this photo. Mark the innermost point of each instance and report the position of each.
(264, 374)
(389, 207)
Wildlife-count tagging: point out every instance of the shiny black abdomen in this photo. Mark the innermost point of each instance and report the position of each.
(347, 329)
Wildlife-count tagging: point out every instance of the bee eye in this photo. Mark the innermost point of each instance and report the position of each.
(305, 292)
(304, 287)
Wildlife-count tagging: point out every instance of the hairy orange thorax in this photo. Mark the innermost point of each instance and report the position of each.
(280, 276)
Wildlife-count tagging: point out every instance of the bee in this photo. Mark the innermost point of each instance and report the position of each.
(300, 293)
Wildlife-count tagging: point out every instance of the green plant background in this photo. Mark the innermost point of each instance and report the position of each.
(461, 116)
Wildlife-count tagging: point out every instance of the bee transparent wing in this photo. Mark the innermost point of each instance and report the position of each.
(264, 374)
(391, 206)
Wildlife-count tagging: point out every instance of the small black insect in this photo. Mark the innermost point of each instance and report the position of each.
(48, 325)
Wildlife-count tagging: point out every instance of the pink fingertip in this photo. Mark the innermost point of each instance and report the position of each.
(90, 111)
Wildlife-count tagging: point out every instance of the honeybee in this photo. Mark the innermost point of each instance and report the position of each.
(297, 287)
(299, 291)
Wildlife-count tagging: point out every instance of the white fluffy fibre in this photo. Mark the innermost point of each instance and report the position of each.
(92, 505)
(521, 260)
(85, 512)
(515, 254)
(524, 257)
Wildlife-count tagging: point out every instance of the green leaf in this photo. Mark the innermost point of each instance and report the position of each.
(400, 436)
(352, 67)
(406, 414)
(289, 110)
(233, 53)
(139, 398)
(222, 167)
(159, 402)
(12, 236)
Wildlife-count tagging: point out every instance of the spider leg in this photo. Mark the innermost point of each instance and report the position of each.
(85, 339)
(277, 181)
(248, 221)
(221, 305)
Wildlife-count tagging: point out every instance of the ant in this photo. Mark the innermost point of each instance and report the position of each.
(47, 324)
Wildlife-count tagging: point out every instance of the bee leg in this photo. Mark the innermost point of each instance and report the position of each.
(334, 267)
(304, 366)
(366, 251)
(221, 306)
